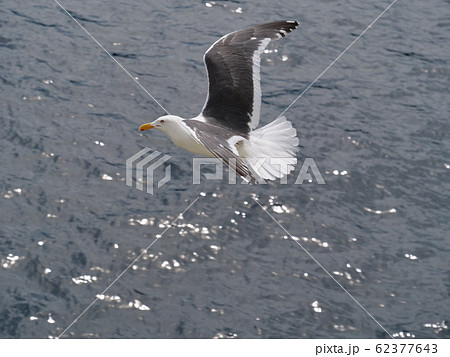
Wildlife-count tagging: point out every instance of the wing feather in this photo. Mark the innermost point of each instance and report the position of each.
(217, 140)
(233, 69)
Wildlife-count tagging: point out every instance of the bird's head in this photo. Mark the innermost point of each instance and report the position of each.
(165, 123)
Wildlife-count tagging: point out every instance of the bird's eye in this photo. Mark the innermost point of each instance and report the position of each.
(161, 121)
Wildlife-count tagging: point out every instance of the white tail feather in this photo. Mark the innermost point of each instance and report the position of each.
(271, 150)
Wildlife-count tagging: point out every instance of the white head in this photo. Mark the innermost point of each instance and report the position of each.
(166, 123)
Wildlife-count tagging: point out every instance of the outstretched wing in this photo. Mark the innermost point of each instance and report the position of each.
(233, 68)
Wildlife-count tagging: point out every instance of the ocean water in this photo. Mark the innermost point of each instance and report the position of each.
(376, 125)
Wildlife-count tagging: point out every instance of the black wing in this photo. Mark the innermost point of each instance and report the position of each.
(232, 64)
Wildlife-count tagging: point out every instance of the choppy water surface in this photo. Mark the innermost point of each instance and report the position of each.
(376, 125)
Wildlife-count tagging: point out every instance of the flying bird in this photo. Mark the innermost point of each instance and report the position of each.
(226, 128)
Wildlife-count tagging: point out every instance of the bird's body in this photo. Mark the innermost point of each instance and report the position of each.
(181, 136)
(226, 127)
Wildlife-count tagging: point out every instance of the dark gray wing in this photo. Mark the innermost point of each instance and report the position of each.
(217, 139)
(232, 64)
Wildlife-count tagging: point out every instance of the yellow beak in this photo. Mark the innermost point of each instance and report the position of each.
(146, 127)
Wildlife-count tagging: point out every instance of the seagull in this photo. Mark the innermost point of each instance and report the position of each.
(226, 128)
